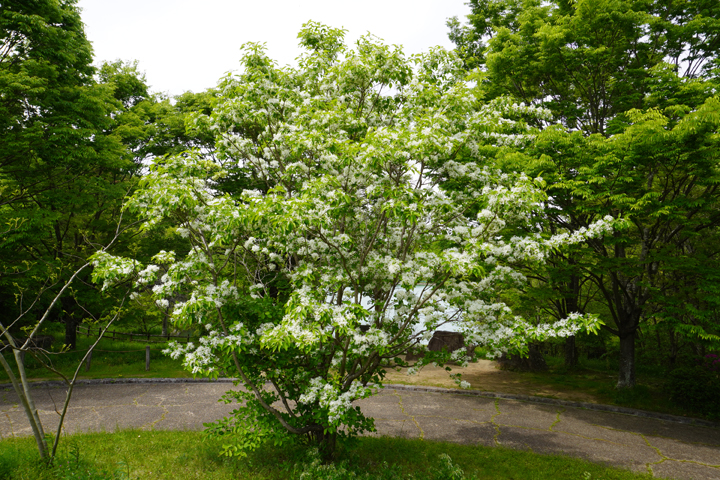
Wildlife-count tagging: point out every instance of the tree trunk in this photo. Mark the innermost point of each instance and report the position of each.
(534, 362)
(326, 443)
(536, 358)
(70, 332)
(571, 357)
(572, 305)
(70, 322)
(657, 338)
(673, 349)
(28, 406)
(626, 378)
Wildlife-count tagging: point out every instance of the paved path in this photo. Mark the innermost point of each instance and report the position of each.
(665, 448)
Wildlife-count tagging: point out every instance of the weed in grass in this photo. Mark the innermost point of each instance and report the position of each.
(448, 470)
(313, 469)
(122, 472)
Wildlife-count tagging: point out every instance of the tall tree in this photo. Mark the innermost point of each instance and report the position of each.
(593, 63)
(588, 61)
(664, 179)
(63, 164)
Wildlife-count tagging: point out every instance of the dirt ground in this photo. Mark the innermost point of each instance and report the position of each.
(484, 375)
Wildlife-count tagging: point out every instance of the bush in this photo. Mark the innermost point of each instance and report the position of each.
(696, 389)
(711, 363)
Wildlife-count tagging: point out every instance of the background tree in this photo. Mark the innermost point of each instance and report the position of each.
(588, 61)
(663, 179)
(65, 164)
(591, 63)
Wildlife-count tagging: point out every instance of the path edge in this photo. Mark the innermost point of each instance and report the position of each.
(410, 388)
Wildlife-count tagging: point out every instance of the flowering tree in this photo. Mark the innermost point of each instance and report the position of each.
(344, 222)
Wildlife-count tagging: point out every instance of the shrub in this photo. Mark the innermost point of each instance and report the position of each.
(696, 389)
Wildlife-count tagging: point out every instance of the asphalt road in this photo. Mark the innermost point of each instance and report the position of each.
(663, 447)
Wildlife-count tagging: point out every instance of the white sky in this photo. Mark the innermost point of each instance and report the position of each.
(188, 45)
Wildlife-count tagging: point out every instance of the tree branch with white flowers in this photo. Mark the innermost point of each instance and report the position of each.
(345, 234)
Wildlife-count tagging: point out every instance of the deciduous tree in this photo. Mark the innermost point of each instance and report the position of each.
(640, 74)
(66, 151)
(345, 159)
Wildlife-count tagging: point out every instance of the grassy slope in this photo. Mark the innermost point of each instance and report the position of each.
(599, 379)
(110, 359)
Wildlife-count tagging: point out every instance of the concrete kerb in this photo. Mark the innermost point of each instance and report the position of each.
(121, 381)
(410, 388)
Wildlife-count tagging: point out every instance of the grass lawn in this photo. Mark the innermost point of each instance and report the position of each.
(134, 454)
(110, 359)
(597, 378)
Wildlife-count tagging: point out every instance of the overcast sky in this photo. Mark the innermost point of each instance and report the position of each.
(189, 44)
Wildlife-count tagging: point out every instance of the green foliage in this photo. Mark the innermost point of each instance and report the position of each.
(633, 85)
(127, 82)
(67, 158)
(314, 469)
(171, 123)
(448, 470)
(589, 61)
(696, 389)
(663, 179)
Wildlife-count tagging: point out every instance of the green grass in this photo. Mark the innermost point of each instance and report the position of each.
(110, 359)
(134, 454)
(598, 378)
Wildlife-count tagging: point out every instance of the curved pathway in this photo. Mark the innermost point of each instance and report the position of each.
(663, 447)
